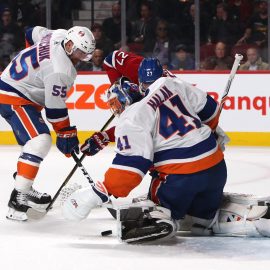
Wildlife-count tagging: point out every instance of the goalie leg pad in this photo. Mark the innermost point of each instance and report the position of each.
(246, 199)
(240, 220)
(140, 224)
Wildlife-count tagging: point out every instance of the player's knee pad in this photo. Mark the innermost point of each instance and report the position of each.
(39, 145)
(144, 222)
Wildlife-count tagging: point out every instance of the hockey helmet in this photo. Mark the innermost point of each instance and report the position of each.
(122, 94)
(83, 42)
(149, 71)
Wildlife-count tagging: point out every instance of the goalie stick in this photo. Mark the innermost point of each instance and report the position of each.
(236, 63)
(37, 215)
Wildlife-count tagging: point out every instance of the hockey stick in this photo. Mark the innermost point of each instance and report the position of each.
(237, 60)
(84, 171)
(34, 213)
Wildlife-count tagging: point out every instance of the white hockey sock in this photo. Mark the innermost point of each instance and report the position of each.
(23, 184)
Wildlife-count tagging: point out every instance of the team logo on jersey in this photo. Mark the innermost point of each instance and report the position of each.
(81, 33)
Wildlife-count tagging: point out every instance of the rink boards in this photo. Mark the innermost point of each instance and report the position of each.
(245, 116)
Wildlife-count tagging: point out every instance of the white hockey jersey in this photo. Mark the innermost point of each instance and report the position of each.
(40, 75)
(169, 128)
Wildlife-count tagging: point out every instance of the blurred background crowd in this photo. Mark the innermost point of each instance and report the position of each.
(159, 28)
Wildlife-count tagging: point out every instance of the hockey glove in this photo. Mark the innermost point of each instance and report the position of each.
(78, 206)
(67, 140)
(97, 142)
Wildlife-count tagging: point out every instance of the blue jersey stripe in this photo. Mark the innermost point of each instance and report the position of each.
(31, 157)
(209, 109)
(8, 88)
(186, 152)
(28, 35)
(137, 162)
(56, 113)
(108, 59)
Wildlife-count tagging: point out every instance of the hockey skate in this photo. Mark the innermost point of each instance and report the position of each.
(18, 206)
(37, 200)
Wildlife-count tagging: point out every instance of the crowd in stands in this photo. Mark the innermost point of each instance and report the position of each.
(163, 29)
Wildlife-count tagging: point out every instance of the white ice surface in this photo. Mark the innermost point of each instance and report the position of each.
(53, 243)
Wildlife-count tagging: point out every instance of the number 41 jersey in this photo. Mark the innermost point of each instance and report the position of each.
(40, 75)
(171, 128)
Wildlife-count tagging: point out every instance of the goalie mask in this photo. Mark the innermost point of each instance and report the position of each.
(83, 42)
(122, 94)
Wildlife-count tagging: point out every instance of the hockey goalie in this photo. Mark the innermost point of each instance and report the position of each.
(171, 124)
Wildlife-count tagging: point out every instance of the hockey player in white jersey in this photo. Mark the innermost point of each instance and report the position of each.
(39, 77)
(171, 128)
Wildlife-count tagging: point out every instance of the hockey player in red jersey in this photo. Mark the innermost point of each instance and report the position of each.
(122, 64)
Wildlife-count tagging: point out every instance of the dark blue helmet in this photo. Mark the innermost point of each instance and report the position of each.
(121, 94)
(150, 70)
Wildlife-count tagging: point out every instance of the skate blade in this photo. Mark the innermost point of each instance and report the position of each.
(35, 214)
(38, 207)
(16, 215)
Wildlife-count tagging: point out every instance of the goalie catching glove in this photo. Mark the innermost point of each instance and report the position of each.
(78, 206)
(98, 141)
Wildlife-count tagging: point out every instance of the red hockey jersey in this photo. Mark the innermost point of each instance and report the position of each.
(119, 63)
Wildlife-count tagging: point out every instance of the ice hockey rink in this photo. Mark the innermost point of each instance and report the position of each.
(53, 243)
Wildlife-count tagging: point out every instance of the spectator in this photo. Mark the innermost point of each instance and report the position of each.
(254, 61)
(7, 49)
(144, 28)
(241, 9)
(182, 60)
(102, 42)
(187, 27)
(112, 26)
(21, 9)
(95, 64)
(256, 31)
(97, 60)
(223, 28)
(133, 9)
(163, 45)
(8, 26)
(220, 61)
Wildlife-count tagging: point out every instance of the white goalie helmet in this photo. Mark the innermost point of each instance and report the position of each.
(83, 42)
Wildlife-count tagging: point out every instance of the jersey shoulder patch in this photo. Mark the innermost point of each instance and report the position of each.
(108, 61)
